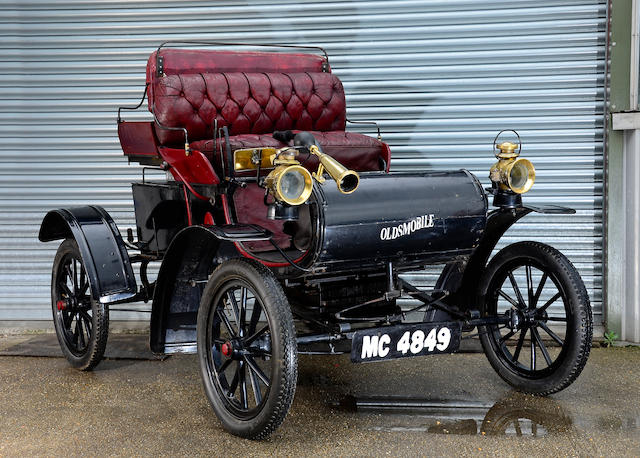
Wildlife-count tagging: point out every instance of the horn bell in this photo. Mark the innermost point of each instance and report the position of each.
(347, 180)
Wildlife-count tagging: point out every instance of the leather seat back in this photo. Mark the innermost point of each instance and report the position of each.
(249, 92)
(247, 103)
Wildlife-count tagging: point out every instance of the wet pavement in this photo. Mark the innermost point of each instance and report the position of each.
(453, 405)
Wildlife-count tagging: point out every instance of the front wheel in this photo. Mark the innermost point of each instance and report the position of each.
(247, 348)
(551, 344)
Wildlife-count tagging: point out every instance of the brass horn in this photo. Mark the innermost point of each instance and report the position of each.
(347, 180)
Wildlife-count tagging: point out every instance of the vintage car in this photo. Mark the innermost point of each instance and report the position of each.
(280, 233)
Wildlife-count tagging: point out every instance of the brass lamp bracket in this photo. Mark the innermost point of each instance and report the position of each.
(318, 174)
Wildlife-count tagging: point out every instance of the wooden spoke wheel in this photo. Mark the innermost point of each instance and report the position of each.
(551, 344)
(81, 323)
(247, 348)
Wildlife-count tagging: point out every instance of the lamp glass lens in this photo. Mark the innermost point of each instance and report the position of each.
(519, 176)
(292, 184)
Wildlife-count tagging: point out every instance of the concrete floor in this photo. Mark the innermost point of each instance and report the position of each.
(454, 405)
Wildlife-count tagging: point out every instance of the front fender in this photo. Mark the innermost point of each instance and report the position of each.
(103, 251)
(461, 278)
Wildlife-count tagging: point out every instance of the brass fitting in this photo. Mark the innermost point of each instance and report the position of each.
(511, 173)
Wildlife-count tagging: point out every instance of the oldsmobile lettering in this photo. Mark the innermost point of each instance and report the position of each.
(420, 222)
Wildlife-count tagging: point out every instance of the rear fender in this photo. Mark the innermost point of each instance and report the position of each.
(193, 254)
(461, 277)
(103, 251)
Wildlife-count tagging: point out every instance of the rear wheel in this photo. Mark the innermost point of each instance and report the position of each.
(247, 348)
(81, 323)
(551, 344)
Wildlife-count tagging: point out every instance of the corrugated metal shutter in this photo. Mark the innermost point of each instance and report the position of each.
(441, 77)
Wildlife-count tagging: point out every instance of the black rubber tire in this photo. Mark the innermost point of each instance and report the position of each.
(87, 356)
(575, 348)
(283, 348)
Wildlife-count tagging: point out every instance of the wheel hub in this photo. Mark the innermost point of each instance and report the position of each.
(232, 349)
(529, 318)
(523, 319)
(226, 349)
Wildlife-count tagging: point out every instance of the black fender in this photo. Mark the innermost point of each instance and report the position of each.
(103, 251)
(461, 278)
(192, 255)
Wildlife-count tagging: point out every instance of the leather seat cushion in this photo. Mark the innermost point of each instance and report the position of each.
(353, 150)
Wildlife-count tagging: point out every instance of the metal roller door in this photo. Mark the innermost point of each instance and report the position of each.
(441, 77)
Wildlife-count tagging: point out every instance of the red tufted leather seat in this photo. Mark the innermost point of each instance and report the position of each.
(255, 94)
(248, 103)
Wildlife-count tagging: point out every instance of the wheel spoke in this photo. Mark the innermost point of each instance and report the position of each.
(529, 286)
(255, 317)
(82, 280)
(85, 332)
(257, 334)
(552, 334)
(67, 319)
(557, 318)
(223, 367)
(549, 302)
(533, 351)
(234, 305)
(75, 276)
(516, 290)
(87, 321)
(243, 386)
(508, 298)
(234, 381)
(75, 334)
(81, 338)
(67, 269)
(255, 386)
(225, 320)
(84, 284)
(255, 368)
(543, 348)
(66, 290)
(516, 354)
(507, 336)
(243, 312)
(536, 296)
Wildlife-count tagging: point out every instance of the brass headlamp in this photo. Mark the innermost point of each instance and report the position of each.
(289, 182)
(511, 173)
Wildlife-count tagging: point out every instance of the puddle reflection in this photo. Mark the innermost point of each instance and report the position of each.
(514, 415)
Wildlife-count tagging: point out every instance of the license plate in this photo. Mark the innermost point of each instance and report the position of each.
(405, 340)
